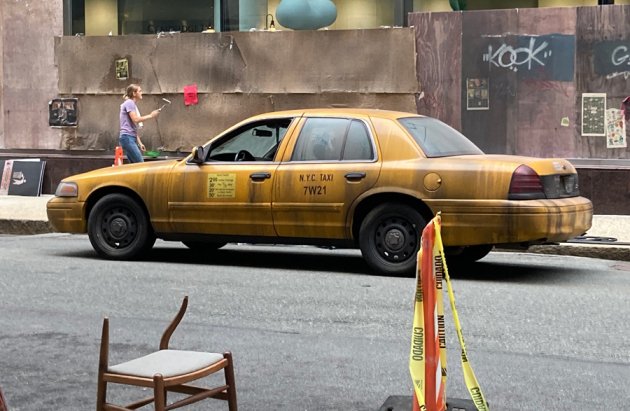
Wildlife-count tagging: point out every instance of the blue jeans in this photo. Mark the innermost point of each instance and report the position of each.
(129, 144)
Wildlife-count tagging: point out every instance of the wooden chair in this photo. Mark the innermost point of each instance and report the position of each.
(165, 370)
(3, 403)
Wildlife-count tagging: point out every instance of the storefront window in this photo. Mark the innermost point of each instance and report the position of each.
(154, 16)
(120, 17)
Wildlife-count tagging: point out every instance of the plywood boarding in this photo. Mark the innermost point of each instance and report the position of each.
(482, 34)
(438, 65)
(181, 127)
(364, 61)
(546, 96)
(601, 30)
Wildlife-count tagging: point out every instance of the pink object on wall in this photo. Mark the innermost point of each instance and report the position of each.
(190, 95)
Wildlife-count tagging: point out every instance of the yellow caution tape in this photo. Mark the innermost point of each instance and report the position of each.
(417, 362)
(417, 355)
(469, 376)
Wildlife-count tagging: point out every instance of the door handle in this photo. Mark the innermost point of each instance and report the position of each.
(260, 176)
(355, 176)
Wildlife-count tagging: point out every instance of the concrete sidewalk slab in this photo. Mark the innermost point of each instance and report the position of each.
(24, 215)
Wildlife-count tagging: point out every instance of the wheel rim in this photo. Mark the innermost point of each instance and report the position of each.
(396, 239)
(119, 227)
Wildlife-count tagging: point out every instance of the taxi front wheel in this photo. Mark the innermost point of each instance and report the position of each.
(389, 238)
(119, 228)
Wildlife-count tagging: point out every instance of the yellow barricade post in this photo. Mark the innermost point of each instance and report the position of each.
(427, 357)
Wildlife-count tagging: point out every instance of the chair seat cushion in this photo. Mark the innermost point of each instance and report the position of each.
(169, 363)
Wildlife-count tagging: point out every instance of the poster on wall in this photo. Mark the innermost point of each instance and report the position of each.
(122, 69)
(477, 94)
(593, 114)
(22, 177)
(63, 112)
(615, 129)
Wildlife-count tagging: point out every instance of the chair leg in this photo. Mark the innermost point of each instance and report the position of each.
(231, 382)
(101, 394)
(159, 392)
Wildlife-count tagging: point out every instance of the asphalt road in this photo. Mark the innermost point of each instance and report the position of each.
(308, 328)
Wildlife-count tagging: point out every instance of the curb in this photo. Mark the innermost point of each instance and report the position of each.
(606, 252)
(25, 227)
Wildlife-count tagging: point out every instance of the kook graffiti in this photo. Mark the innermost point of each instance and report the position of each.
(508, 57)
(612, 59)
(548, 57)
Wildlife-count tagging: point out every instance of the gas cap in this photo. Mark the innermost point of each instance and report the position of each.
(432, 181)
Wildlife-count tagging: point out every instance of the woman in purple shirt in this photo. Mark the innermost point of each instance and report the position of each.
(130, 118)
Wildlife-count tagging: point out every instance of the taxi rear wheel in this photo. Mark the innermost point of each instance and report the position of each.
(389, 238)
(119, 228)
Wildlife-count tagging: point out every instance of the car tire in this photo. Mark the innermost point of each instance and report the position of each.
(119, 228)
(203, 245)
(389, 238)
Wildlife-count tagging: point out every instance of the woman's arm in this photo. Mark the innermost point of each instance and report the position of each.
(138, 119)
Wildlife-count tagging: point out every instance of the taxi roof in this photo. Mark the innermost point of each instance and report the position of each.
(345, 111)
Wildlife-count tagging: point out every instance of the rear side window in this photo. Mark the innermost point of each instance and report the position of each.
(333, 139)
(437, 139)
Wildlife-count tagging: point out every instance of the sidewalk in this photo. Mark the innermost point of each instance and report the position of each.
(27, 215)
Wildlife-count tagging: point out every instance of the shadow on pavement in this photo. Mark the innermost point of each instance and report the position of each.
(346, 261)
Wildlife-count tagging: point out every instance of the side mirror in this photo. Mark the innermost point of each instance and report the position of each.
(198, 155)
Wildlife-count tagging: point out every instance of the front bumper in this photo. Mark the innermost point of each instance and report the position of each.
(509, 222)
(66, 215)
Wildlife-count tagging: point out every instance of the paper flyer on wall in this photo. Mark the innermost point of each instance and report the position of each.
(22, 177)
(615, 129)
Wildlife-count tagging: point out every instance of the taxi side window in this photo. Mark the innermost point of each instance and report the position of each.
(333, 139)
(358, 145)
(256, 141)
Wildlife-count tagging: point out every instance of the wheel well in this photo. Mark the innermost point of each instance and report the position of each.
(369, 203)
(102, 192)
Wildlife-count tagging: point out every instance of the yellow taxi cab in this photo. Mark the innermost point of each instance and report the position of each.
(363, 178)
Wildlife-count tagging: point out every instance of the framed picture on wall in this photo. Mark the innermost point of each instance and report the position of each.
(122, 69)
(63, 112)
(593, 114)
(477, 94)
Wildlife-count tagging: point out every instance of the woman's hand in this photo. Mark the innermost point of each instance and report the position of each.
(155, 113)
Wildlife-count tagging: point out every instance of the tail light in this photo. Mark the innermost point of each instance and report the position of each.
(526, 184)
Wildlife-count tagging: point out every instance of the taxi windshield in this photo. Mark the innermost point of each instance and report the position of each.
(437, 139)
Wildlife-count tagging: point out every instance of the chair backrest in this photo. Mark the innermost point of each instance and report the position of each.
(164, 341)
(173, 325)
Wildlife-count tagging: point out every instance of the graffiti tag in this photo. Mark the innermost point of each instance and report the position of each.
(619, 57)
(612, 58)
(512, 58)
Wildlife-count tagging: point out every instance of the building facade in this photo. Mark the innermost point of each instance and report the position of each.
(358, 60)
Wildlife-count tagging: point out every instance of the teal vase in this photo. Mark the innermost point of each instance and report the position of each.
(306, 14)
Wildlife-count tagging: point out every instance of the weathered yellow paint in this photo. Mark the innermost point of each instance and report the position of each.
(318, 200)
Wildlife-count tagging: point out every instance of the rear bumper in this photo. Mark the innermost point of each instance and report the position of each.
(509, 222)
(66, 215)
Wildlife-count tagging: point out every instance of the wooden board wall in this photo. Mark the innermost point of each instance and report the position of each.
(599, 30)
(537, 62)
(438, 65)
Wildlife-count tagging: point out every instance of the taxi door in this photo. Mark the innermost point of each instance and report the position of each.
(331, 163)
(230, 192)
